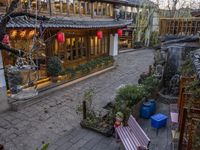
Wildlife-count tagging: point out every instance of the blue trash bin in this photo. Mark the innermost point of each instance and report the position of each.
(145, 112)
(152, 106)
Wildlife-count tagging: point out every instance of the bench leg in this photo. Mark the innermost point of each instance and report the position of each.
(157, 132)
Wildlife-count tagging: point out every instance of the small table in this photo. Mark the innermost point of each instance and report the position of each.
(158, 121)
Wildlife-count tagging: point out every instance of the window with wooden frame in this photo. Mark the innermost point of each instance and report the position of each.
(74, 48)
(99, 46)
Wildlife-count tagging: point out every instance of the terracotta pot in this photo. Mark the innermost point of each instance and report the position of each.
(54, 79)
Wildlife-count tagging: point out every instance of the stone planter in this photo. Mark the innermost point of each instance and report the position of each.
(54, 79)
(108, 130)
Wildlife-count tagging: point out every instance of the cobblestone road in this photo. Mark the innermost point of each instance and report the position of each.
(54, 119)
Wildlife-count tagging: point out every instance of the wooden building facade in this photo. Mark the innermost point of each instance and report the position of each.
(79, 21)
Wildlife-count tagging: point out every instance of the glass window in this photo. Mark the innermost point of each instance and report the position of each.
(98, 46)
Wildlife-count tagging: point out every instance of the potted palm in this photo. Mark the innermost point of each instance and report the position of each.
(54, 68)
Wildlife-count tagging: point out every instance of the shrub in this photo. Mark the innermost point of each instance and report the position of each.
(193, 87)
(187, 69)
(54, 66)
(70, 71)
(138, 44)
(127, 97)
(150, 83)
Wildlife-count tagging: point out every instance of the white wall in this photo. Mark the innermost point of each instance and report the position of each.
(113, 44)
(155, 26)
(3, 91)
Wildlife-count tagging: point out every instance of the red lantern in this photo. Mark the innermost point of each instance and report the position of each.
(6, 39)
(61, 37)
(119, 31)
(99, 34)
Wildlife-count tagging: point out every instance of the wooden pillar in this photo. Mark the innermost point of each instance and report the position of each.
(85, 7)
(102, 5)
(182, 130)
(88, 46)
(79, 8)
(3, 90)
(125, 13)
(51, 7)
(132, 11)
(68, 7)
(74, 9)
(92, 9)
(38, 3)
(61, 6)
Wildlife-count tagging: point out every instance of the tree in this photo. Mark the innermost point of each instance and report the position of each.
(11, 13)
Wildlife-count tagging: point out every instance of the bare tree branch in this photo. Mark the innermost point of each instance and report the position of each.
(6, 18)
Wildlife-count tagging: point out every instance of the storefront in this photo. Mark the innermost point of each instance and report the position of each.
(126, 40)
(84, 42)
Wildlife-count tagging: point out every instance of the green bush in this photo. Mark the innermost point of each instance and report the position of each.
(54, 66)
(127, 97)
(70, 71)
(193, 87)
(150, 83)
(154, 38)
(187, 69)
(138, 44)
(88, 66)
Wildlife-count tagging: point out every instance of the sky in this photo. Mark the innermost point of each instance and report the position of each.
(182, 3)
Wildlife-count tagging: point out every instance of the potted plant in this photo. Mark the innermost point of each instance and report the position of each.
(54, 68)
(70, 72)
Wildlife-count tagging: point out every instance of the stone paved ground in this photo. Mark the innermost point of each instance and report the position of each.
(55, 116)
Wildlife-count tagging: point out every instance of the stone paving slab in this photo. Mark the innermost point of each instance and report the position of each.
(55, 115)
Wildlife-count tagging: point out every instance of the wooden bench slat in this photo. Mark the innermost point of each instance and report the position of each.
(133, 135)
(126, 139)
(138, 131)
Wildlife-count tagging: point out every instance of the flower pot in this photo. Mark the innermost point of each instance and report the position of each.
(54, 79)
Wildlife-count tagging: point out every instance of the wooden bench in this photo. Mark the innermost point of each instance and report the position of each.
(132, 136)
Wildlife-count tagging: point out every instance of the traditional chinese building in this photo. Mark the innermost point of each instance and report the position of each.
(90, 28)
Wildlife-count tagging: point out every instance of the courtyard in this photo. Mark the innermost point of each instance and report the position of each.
(54, 119)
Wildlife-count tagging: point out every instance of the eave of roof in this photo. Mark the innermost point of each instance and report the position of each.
(134, 3)
(25, 22)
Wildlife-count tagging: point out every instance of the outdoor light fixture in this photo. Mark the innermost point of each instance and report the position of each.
(22, 34)
(119, 31)
(61, 37)
(13, 34)
(99, 35)
(31, 33)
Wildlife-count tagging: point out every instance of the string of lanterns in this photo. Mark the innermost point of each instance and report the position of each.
(60, 35)
(23, 34)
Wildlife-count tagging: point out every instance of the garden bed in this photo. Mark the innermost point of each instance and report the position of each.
(104, 129)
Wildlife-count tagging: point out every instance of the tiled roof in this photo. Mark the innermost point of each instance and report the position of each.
(25, 22)
(136, 3)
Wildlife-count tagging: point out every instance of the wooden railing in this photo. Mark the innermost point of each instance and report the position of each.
(189, 115)
(179, 26)
(191, 118)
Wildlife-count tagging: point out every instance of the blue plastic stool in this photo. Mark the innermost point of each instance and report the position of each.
(158, 121)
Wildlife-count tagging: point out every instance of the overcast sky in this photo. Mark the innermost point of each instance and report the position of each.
(182, 3)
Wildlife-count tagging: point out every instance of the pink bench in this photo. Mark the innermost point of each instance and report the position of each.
(174, 113)
(132, 136)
